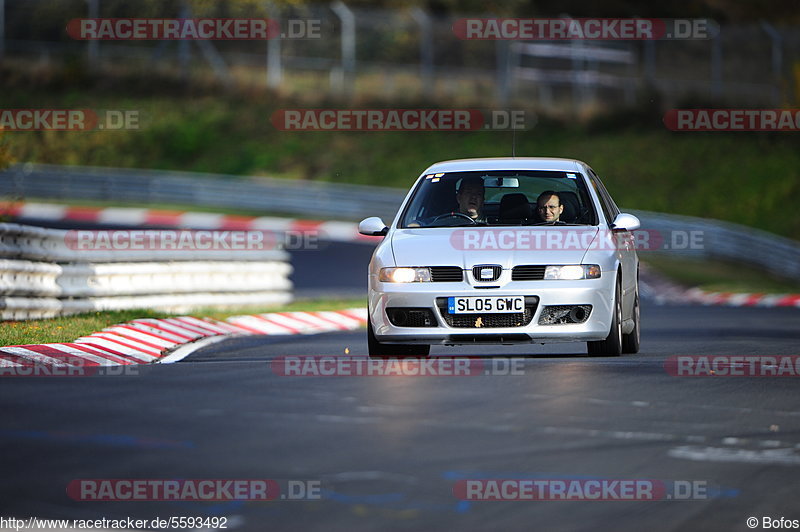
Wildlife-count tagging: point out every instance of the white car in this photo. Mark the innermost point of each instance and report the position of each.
(543, 256)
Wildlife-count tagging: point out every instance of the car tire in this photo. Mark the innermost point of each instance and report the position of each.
(630, 341)
(381, 350)
(612, 345)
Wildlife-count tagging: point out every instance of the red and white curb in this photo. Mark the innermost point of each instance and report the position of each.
(670, 294)
(146, 341)
(730, 299)
(330, 230)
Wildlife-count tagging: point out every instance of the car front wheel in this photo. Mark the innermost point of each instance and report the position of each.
(612, 345)
(630, 341)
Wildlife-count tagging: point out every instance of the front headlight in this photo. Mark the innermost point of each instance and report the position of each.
(405, 275)
(572, 272)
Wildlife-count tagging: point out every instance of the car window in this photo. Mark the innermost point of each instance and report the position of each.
(604, 191)
(610, 208)
(509, 198)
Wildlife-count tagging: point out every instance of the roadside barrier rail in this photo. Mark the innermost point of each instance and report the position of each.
(41, 276)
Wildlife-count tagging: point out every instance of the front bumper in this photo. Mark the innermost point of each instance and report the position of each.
(599, 293)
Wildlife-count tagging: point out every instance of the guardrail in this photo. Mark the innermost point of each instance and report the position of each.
(723, 240)
(42, 276)
(716, 239)
(322, 200)
(58, 245)
(19, 277)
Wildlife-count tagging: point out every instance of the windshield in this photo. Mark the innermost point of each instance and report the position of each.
(497, 198)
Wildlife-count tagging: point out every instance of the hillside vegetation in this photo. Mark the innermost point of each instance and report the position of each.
(749, 178)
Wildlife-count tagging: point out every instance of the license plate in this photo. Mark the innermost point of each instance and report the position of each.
(479, 305)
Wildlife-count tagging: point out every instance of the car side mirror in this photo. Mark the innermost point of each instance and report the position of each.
(625, 222)
(372, 226)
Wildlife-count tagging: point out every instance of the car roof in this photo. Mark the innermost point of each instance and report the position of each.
(506, 163)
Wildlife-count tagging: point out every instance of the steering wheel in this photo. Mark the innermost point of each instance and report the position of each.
(454, 215)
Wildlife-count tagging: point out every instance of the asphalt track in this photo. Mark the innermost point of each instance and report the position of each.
(388, 451)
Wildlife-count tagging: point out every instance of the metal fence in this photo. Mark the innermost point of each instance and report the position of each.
(733, 242)
(279, 196)
(728, 241)
(401, 54)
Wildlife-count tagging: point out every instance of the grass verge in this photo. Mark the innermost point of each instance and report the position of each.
(68, 328)
(735, 176)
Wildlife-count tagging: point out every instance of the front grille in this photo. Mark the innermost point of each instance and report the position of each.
(446, 274)
(411, 317)
(488, 320)
(506, 339)
(528, 273)
(496, 271)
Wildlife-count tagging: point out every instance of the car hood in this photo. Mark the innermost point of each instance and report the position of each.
(506, 246)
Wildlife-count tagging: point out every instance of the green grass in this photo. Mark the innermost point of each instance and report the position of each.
(749, 178)
(718, 276)
(69, 328)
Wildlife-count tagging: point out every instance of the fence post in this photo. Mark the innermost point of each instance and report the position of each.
(211, 54)
(94, 44)
(777, 58)
(425, 49)
(514, 65)
(579, 88)
(650, 62)
(579, 92)
(716, 66)
(274, 72)
(503, 72)
(2, 29)
(184, 52)
(348, 65)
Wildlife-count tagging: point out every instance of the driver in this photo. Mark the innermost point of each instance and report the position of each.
(470, 197)
(549, 206)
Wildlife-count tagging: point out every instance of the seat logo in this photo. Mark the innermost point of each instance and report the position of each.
(487, 272)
